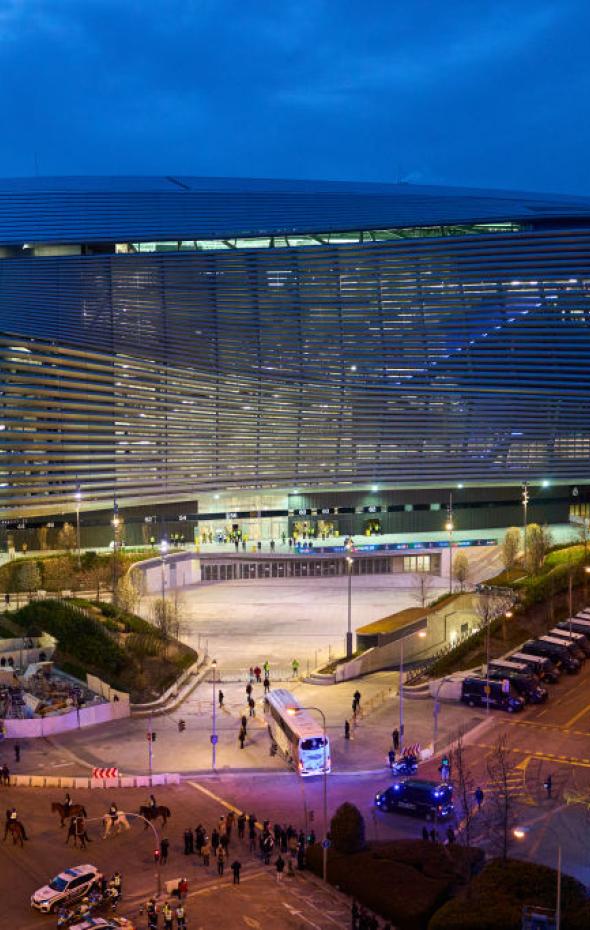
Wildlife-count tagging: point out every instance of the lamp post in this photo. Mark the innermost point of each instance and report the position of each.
(525, 502)
(78, 499)
(349, 562)
(163, 554)
(449, 527)
(520, 833)
(115, 522)
(421, 634)
(292, 711)
(586, 573)
(213, 718)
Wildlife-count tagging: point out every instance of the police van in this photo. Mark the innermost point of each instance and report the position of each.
(540, 665)
(479, 692)
(417, 797)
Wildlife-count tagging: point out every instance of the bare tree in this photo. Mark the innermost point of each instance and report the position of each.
(42, 533)
(583, 531)
(464, 788)
(501, 805)
(66, 538)
(28, 577)
(177, 613)
(127, 594)
(163, 617)
(538, 543)
(461, 569)
(510, 548)
(422, 582)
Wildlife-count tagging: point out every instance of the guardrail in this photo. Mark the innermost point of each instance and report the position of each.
(78, 782)
(419, 669)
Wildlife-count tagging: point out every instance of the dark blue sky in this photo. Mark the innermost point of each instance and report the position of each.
(468, 92)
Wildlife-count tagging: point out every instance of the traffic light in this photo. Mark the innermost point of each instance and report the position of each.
(181, 726)
(156, 855)
(150, 736)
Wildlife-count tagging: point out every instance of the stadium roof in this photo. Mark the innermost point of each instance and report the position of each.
(127, 209)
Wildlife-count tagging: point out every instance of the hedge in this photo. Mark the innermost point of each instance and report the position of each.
(404, 881)
(495, 898)
(81, 638)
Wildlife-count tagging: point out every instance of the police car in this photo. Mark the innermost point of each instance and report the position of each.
(66, 887)
(104, 923)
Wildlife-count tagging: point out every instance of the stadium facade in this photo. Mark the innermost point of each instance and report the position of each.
(262, 353)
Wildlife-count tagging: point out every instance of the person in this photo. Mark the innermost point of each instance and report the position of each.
(164, 847)
(354, 707)
(266, 667)
(280, 867)
(434, 835)
(183, 888)
(220, 859)
(346, 729)
(188, 842)
(257, 674)
(16, 752)
(450, 835)
(180, 917)
(5, 775)
(242, 737)
(479, 797)
(220, 698)
(13, 815)
(357, 697)
(235, 867)
(229, 824)
(244, 722)
(251, 676)
(152, 914)
(266, 684)
(113, 813)
(249, 690)
(167, 915)
(224, 841)
(252, 832)
(199, 838)
(395, 739)
(241, 826)
(548, 786)
(67, 804)
(206, 852)
(222, 825)
(252, 707)
(295, 667)
(152, 803)
(267, 847)
(214, 840)
(118, 884)
(391, 757)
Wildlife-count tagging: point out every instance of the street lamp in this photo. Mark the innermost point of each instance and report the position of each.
(213, 717)
(449, 527)
(521, 833)
(586, 573)
(115, 521)
(78, 499)
(525, 502)
(163, 554)
(292, 711)
(421, 634)
(349, 561)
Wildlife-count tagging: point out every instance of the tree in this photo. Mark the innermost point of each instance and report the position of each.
(510, 548)
(464, 789)
(347, 829)
(127, 594)
(538, 543)
(583, 531)
(501, 799)
(142, 645)
(422, 582)
(42, 533)
(163, 617)
(66, 538)
(96, 568)
(461, 569)
(28, 577)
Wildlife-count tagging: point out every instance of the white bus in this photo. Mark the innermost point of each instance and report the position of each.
(299, 737)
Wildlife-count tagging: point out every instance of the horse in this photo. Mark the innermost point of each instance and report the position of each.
(74, 810)
(17, 832)
(117, 823)
(152, 813)
(77, 829)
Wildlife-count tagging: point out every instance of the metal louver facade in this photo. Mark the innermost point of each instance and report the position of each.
(157, 375)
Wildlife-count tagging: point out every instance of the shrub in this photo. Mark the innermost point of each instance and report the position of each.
(347, 829)
(498, 894)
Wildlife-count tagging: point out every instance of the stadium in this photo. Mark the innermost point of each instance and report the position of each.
(197, 352)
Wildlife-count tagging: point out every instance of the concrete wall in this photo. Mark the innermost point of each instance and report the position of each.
(179, 571)
(87, 717)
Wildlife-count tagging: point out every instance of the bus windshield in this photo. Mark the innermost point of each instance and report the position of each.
(315, 742)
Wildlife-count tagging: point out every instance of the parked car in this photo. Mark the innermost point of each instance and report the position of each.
(557, 651)
(418, 797)
(582, 645)
(540, 665)
(499, 697)
(66, 887)
(527, 686)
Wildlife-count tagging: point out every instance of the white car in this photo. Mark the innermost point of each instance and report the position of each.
(104, 923)
(65, 888)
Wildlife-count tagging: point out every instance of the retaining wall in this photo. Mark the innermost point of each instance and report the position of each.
(87, 716)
